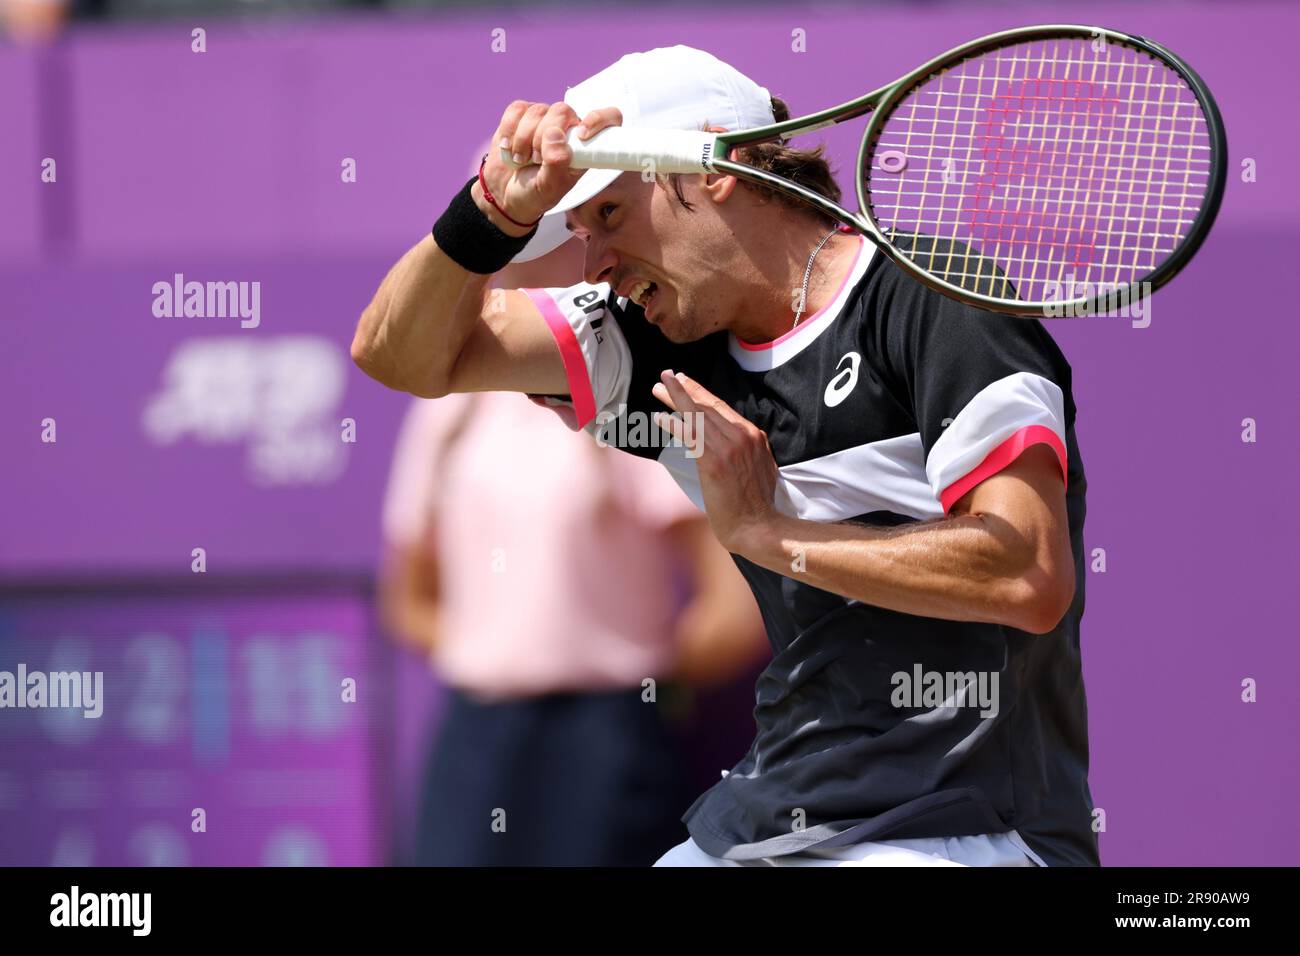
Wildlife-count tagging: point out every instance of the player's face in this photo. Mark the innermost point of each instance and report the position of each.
(670, 260)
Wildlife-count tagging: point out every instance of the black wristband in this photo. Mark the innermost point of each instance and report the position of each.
(471, 239)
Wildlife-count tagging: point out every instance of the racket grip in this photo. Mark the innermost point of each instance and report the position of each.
(645, 150)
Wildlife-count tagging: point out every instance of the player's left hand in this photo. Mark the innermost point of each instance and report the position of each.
(738, 475)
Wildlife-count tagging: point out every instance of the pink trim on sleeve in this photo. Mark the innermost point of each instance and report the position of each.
(1000, 457)
(575, 366)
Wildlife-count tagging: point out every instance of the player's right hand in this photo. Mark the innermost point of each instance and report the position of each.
(538, 174)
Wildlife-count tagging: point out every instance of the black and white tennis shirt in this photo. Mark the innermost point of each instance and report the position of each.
(884, 408)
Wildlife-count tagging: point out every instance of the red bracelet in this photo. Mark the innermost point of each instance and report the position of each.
(487, 194)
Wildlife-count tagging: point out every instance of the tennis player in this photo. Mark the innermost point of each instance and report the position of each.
(895, 474)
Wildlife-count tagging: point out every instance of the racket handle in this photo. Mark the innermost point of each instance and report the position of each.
(642, 150)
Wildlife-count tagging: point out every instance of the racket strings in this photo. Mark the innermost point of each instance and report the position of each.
(1051, 164)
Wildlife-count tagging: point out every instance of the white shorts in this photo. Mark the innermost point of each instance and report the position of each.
(988, 849)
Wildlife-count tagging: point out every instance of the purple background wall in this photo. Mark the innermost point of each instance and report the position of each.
(226, 166)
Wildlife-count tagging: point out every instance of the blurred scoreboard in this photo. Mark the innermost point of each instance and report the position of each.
(227, 705)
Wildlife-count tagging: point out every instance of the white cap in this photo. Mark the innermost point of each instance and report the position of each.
(674, 87)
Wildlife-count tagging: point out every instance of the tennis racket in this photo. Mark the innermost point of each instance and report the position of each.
(1045, 170)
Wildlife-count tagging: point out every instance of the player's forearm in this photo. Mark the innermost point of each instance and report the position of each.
(965, 568)
(411, 334)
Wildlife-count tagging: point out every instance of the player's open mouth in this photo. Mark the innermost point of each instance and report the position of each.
(643, 294)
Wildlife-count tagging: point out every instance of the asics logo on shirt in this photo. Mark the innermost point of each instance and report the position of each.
(844, 381)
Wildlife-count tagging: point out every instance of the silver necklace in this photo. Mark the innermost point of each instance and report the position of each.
(807, 274)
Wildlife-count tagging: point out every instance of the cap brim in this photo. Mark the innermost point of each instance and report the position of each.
(551, 232)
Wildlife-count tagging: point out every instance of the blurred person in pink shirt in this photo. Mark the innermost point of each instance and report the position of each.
(30, 20)
(548, 579)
